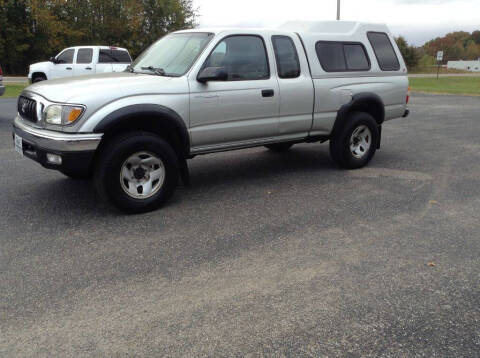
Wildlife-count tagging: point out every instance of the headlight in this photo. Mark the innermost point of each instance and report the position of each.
(62, 114)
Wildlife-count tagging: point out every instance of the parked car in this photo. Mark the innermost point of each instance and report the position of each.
(203, 91)
(79, 61)
(2, 87)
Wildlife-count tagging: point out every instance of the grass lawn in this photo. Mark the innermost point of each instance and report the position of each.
(450, 85)
(13, 90)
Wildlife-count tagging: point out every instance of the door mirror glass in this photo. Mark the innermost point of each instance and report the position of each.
(212, 74)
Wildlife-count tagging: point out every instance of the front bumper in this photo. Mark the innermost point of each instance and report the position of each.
(2, 90)
(76, 150)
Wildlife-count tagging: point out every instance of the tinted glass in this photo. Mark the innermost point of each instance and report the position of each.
(66, 56)
(331, 56)
(387, 59)
(120, 56)
(286, 56)
(242, 57)
(84, 55)
(114, 56)
(356, 57)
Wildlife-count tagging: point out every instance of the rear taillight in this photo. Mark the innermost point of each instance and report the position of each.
(408, 95)
(1, 73)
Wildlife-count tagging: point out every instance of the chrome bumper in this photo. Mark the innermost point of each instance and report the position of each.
(56, 141)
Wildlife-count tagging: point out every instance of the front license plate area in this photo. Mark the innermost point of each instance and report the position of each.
(18, 144)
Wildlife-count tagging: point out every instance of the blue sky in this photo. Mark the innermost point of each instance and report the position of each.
(417, 20)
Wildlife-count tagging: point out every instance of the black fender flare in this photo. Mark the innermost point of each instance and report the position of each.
(366, 101)
(124, 116)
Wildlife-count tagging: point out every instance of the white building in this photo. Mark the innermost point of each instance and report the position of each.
(473, 66)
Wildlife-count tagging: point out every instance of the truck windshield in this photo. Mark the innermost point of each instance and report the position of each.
(172, 55)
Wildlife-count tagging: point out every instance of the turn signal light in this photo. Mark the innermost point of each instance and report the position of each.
(75, 112)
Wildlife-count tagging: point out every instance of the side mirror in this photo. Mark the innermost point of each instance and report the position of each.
(53, 59)
(212, 74)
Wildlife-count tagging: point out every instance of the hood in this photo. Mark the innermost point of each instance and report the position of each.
(40, 64)
(107, 87)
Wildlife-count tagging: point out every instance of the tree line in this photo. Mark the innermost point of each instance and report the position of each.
(35, 30)
(456, 46)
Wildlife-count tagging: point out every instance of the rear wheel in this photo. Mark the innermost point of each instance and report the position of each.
(279, 147)
(355, 143)
(137, 172)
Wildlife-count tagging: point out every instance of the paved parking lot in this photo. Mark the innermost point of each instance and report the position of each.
(264, 254)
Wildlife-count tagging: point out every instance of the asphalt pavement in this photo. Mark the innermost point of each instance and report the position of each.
(263, 255)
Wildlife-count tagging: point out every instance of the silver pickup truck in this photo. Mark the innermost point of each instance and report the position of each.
(208, 90)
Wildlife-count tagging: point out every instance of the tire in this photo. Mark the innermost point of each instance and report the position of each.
(355, 143)
(279, 147)
(136, 172)
(39, 78)
(76, 175)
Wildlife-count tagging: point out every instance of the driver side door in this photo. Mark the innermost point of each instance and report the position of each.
(64, 65)
(242, 109)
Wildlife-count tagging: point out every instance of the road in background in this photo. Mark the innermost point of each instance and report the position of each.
(264, 254)
(421, 75)
(15, 79)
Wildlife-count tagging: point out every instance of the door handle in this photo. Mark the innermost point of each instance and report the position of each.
(88, 68)
(68, 68)
(268, 93)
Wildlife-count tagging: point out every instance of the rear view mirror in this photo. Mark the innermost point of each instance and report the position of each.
(212, 74)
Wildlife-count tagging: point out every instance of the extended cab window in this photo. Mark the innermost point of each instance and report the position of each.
(66, 56)
(114, 56)
(342, 56)
(386, 56)
(286, 56)
(85, 55)
(243, 57)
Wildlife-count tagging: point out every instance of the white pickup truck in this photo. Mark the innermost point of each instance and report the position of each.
(203, 91)
(81, 60)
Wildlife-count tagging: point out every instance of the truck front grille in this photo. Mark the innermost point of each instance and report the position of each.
(27, 108)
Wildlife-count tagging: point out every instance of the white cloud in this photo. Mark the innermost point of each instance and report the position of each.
(413, 18)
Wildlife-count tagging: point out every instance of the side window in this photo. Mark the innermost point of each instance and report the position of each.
(356, 57)
(386, 56)
(286, 56)
(85, 55)
(331, 56)
(104, 56)
(120, 56)
(342, 56)
(66, 56)
(114, 56)
(243, 57)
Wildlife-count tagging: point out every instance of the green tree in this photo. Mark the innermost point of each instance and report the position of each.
(33, 30)
(409, 53)
(15, 35)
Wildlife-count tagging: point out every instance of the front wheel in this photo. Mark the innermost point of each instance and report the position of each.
(355, 143)
(137, 172)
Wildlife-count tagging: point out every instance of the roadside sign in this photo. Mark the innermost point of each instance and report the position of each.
(439, 59)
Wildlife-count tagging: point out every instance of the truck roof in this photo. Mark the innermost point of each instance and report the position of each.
(99, 47)
(329, 28)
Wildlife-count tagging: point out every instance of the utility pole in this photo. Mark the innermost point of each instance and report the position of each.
(338, 9)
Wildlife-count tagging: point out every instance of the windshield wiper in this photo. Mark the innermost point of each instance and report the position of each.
(157, 71)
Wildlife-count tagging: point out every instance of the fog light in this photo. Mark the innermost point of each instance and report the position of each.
(54, 159)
